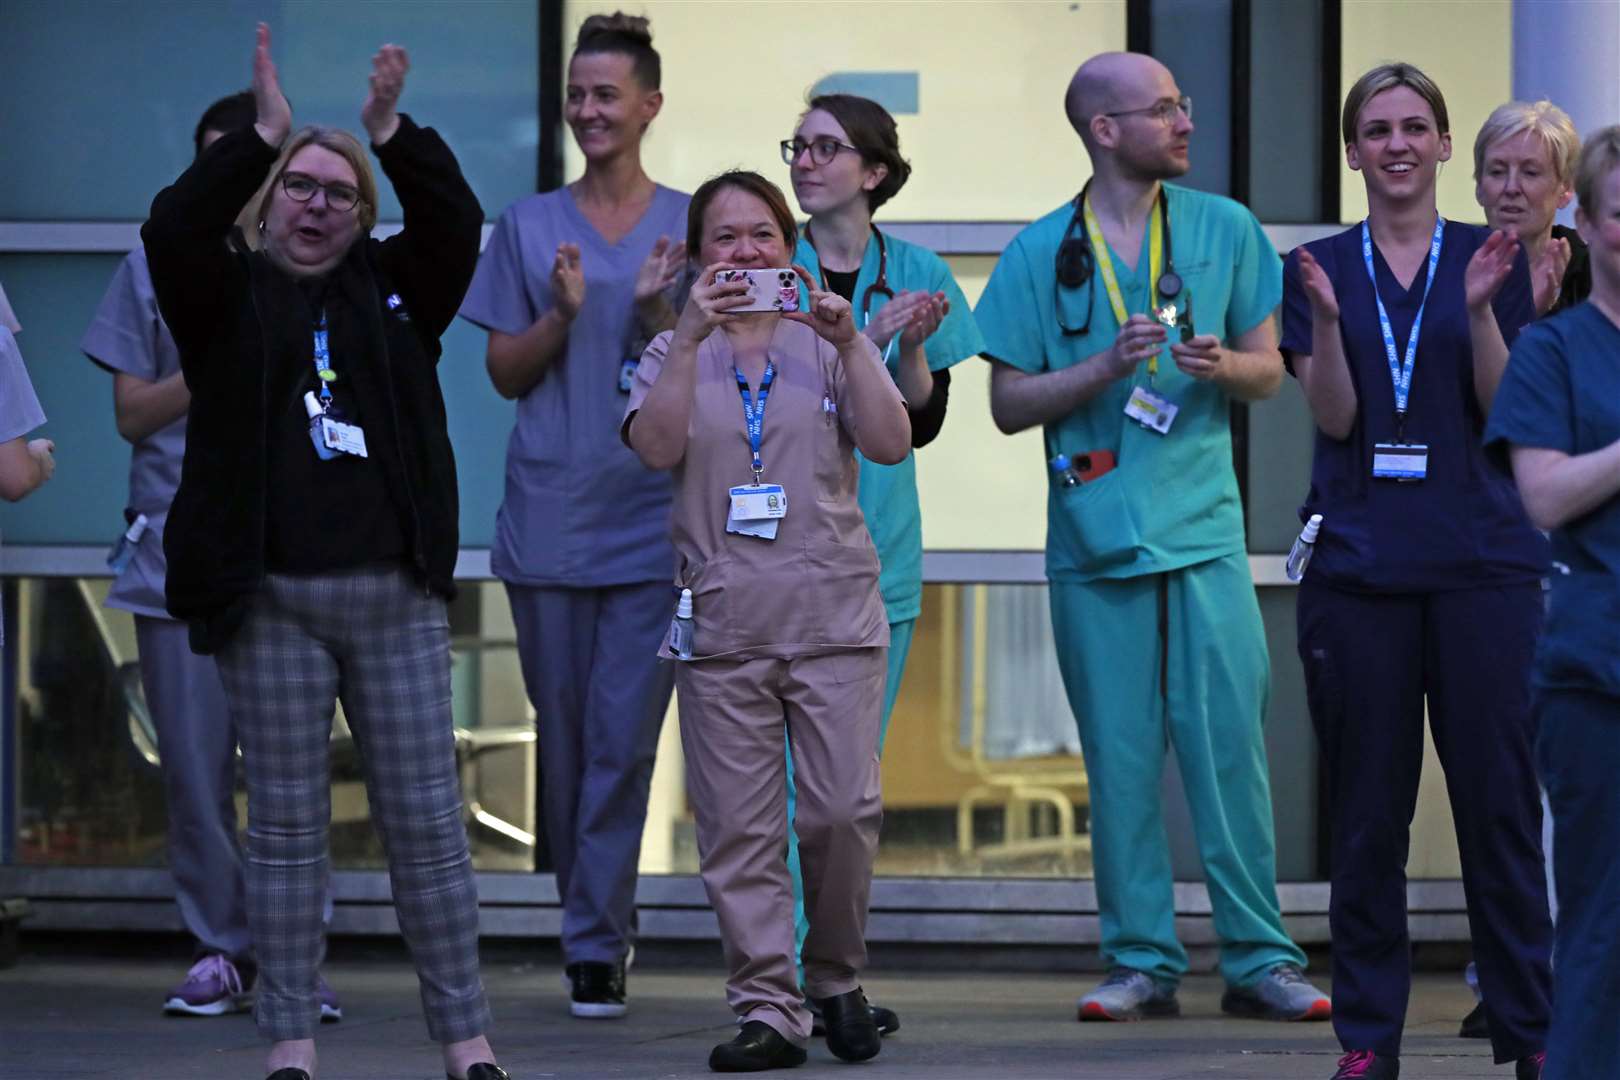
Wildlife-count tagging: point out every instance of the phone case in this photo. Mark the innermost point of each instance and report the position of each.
(772, 290)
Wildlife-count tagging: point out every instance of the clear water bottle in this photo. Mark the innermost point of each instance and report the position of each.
(1299, 556)
(124, 550)
(680, 630)
(1064, 471)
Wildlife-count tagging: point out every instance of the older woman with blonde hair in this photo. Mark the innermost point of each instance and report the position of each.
(312, 540)
(1524, 173)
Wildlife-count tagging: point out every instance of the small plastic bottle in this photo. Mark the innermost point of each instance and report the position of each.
(1066, 476)
(1299, 556)
(316, 436)
(124, 550)
(680, 630)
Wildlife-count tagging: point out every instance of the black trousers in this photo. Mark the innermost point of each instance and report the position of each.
(1370, 663)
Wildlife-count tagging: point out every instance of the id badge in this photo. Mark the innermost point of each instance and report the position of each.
(1407, 462)
(627, 373)
(1152, 411)
(756, 510)
(347, 438)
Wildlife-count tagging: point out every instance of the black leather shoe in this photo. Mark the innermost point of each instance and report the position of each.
(851, 1033)
(288, 1074)
(887, 1020)
(484, 1070)
(757, 1047)
(1474, 1025)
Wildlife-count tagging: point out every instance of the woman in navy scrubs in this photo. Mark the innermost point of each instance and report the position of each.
(1557, 412)
(1425, 567)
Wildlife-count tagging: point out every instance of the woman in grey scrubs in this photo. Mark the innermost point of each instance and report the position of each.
(25, 464)
(572, 286)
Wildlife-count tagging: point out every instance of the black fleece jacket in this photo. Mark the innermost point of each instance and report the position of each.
(236, 317)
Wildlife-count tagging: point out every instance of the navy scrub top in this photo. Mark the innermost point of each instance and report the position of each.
(1461, 527)
(1562, 392)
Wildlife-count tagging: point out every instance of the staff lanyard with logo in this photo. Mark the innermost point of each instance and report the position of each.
(1152, 410)
(757, 508)
(327, 429)
(1401, 460)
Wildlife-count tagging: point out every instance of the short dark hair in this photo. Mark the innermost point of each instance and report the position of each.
(227, 114)
(630, 35)
(744, 180)
(872, 131)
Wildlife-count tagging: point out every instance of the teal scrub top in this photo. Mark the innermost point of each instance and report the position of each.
(1178, 489)
(888, 493)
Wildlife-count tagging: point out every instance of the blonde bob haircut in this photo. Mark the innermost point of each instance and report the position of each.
(1550, 124)
(338, 141)
(1599, 157)
(1388, 77)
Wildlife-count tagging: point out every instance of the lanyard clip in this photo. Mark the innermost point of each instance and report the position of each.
(759, 470)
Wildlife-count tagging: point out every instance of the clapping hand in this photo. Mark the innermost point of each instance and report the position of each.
(1489, 268)
(567, 281)
(925, 320)
(274, 117)
(1547, 275)
(41, 450)
(659, 270)
(380, 113)
(894, 316)
(1318, 286)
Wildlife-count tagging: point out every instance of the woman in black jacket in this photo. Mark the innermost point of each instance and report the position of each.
(313, 536)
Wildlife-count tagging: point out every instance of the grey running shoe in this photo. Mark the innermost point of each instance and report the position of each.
(1283, 993)
(1128, 994)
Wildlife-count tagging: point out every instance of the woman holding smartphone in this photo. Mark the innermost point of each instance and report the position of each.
(789, 632)
(844, 162)
(1425, 585)
(573, 285)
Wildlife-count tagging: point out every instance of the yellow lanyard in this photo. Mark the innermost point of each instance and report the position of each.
(1105, 267)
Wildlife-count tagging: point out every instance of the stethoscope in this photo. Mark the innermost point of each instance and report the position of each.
(880, 286)
(1075, 264)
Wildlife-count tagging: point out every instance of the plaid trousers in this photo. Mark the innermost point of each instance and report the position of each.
(373, 639)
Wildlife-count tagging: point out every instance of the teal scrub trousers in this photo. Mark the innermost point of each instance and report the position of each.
(1208, 699)
(899, 645)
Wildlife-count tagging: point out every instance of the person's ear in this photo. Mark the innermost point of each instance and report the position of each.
(874, 176)
(1104, 132)
(1445, 147)
(1351, 157)
(650, 107)
(1566, 197)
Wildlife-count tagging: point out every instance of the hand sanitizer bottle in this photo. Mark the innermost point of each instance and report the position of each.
(316, 435)
(1299, 557)
(124, 550)
(680, 630)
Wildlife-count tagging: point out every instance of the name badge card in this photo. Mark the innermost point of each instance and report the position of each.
(345, 437)
(1152, 411)
(1400, 461)
(756, 510)
(627, 373)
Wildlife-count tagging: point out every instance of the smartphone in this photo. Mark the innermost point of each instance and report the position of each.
(1092, 464)
(770, 290)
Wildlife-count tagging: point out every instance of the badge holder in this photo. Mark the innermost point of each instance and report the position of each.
(1400, 461)
(756, 509)
(1152, 410)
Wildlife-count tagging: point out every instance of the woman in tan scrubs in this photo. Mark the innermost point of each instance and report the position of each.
(790, 636)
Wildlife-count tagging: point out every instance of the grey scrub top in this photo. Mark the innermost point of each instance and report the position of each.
(128, 335)
(19, 407)
(579, 508)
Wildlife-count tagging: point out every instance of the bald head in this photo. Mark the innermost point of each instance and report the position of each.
(1109, 82)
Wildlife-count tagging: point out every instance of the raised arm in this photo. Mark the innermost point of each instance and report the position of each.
(1487, 271)
(185, 237)
(1021, 399)
(434, 256)
(1324, 373)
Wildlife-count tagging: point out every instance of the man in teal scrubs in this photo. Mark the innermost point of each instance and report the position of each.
(1154, 613)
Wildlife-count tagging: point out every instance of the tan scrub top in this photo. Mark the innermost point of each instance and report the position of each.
(813, 588)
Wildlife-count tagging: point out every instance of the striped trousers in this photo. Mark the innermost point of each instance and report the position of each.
(373, 639)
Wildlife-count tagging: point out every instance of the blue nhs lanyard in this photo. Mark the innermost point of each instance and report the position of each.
(323, 362)
(1401, 373)
(754, 411)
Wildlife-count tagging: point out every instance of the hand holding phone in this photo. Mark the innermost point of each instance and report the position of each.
(773, 289)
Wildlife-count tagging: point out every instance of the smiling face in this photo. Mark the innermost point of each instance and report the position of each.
(1398, 147)
(607, 107)
(1518, 187)
(844, 180)
(739, 229)
(308, 239)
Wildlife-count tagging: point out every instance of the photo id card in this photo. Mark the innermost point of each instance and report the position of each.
(1400, 461)
(756, 510)
(345, 437)
(1152, 411)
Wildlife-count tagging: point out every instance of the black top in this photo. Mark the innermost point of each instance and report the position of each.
(244, 331)
(1577, 275)
(928, 418)
(326, 515)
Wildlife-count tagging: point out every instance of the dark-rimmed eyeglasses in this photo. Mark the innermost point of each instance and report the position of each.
(1162, 111)
(300, 188)
(822, 150)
